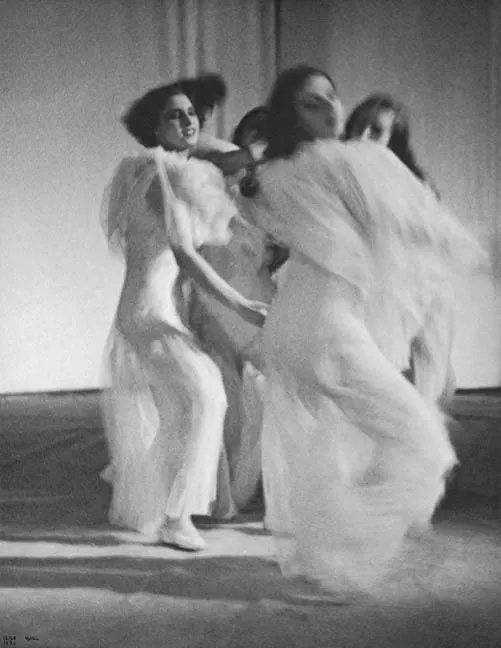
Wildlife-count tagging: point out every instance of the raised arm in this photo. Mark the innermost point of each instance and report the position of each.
(227, 156)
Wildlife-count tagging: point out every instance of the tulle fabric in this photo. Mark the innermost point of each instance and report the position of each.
(196, 184)
(165, 404)
(357, 212)
(354, 457)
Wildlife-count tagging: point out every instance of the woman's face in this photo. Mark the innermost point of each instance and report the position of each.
(381, 128)
(319, 109)
(178, 127)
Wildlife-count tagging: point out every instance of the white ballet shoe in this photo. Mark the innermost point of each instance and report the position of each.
(181, 534)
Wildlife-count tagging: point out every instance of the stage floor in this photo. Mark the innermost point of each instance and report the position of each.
(69, 580)
(72, 585)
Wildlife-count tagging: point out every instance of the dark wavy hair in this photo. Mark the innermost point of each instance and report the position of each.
(141, 118)
(283, 130)
(253, 121)
(365, 114)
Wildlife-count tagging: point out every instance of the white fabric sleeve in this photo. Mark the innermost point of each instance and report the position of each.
(124, 197)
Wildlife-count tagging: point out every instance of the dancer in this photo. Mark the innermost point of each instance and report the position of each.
(384, 119)
(166, 404)
(353, 457)
(248, 263)
(250, 135)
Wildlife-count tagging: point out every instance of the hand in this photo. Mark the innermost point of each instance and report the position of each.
(257, 149)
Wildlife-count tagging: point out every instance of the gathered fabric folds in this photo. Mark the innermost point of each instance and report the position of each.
(164, 404)
(164, 416)
(354, 458)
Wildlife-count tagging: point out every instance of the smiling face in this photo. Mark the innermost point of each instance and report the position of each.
(319, 109)
(178, 127)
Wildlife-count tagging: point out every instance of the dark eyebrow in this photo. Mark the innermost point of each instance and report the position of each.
(173, 111)
(315, 95)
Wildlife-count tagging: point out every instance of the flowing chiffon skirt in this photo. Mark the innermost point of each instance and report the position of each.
(353, 457)
(164, 414)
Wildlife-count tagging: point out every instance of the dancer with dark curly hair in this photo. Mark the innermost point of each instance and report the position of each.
(166, 404)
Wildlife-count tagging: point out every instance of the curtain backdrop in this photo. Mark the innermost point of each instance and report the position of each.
(68, 70)
(495, 120)
(443, 59)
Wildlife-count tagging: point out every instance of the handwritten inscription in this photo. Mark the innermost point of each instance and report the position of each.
(10, 641)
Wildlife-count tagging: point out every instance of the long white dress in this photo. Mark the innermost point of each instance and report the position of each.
(353, 456)
(165, 405)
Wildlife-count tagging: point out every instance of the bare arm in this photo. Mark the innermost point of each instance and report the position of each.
(227, 156)
(230, 162)
(177, 219)
(210, 281)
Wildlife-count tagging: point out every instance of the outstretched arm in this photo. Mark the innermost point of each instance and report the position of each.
(227, 156)
(209, 280)
(178, 222)
(230, 162)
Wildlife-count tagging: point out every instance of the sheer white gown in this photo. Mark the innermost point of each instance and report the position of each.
(165, 403)
(353, 456)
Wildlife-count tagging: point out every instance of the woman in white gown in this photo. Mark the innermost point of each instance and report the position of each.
(353, 456)
(230, 342)
(384, 119)
(248, 264)
(166, 403)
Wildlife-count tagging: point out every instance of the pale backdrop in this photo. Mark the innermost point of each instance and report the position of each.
(68, 69)
(443, 58)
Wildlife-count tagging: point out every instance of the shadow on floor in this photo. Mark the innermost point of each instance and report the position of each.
(222, 577)
(103, 539)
